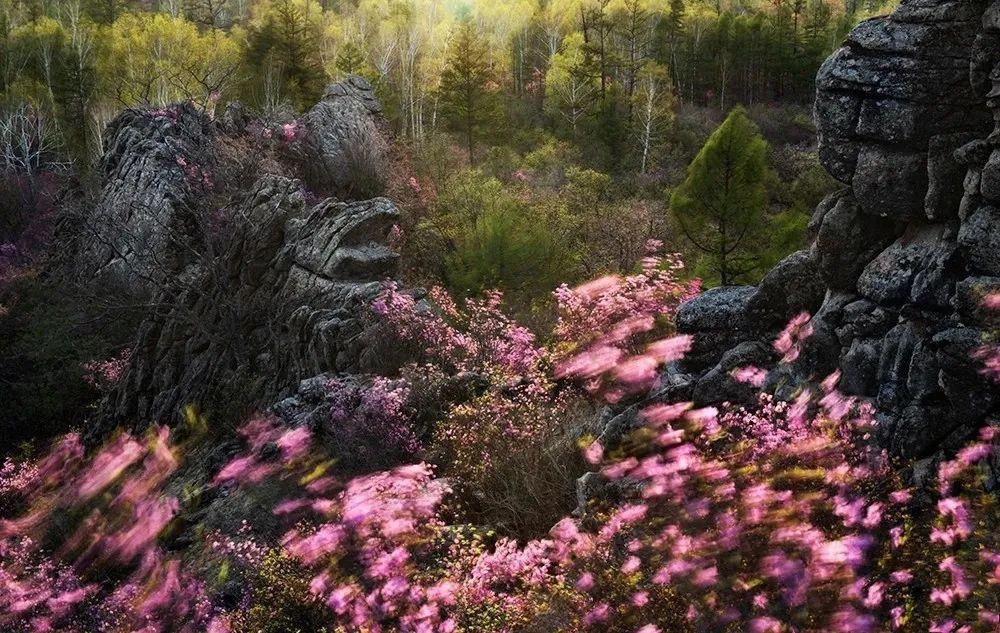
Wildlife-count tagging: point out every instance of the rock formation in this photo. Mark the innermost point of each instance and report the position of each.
(345, 147)
(904, 253)
(253, 287)
(129, 239)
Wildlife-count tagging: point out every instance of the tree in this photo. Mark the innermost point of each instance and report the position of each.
(720, 206)
(283, 47)
(350, 59)
(653, 108)
(635, 31)
(210, 14)
(570, 89)
(507, 250)
(153, 59)
(466, 99)
(106, 11)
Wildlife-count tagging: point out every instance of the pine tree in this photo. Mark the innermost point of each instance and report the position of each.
(286, 45)
(105, 11)
(350, 59)
(670, 31)
(466, 99)
(721, 205)
(75, 85)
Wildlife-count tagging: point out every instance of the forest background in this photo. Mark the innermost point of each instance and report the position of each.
(543, 139)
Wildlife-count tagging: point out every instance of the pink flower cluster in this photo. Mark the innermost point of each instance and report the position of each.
(372, 422)
(779, 517)
(602, 324)
(254, 466)
(477, 338)
(103, 375)
(362, 552)
(117, 499)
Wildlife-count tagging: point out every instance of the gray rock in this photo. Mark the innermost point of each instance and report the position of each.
(970, 394)
(864, 318)
(894, 366)
(968, 301)
(946, 176)
(889, 278)
(898, 81)
(717, 319)
(934, 283)
(718, 385)
(859, 367)
(345, 150)
(792, 287)
(289, 299)
(920, 430)
(923, 373)
(136, 237)
(847, 240)
(979, 239)
(990, 179)
(891, 183)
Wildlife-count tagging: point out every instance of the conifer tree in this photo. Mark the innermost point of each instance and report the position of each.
(466, 99)
(286, 45)
(350, 59)
(721, 205)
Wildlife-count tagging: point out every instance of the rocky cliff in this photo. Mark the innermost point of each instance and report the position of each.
(904, 252)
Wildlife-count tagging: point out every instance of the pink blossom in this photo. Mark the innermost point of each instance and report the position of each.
(594, 453)
(631, 565)
(790, 340)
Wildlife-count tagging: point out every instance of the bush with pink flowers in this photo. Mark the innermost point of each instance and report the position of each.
(780, 516)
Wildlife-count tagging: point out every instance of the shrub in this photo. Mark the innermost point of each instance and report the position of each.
(372, 424)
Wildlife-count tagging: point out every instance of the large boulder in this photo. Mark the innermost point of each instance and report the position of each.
(718, 320)
(980, 240)
(846, 239)
(793, 286)
(898, 81)
(906, 252)
(345, 149)
(889, 278)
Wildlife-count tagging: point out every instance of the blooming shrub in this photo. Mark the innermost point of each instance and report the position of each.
(372, 423)
(621, 307)
(103, 375)
(16, 479)
(602, 326)
(477, 338)
(781, 516)
(102, 513)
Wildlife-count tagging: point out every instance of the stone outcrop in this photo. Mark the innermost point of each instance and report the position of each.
(130, 240)
(345, 149)
(905, 252)
(287, 300)
(254, 285)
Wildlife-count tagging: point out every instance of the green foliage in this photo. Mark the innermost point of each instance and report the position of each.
(504, 250)
(467, 98)
(283, 53)
(350, 59)
(494, 239)
(105, 11)
(282, 602)
(721, 205)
